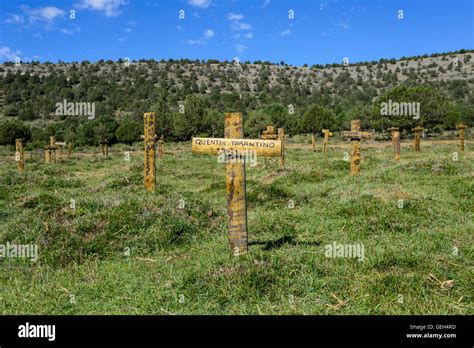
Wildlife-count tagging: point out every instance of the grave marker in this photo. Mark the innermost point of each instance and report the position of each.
(59, 145)
(50, 150)
(396, 143)
(327, 134)
(161, 147)
(417, 130)
(461, 127)
(69, 150)
(281, 137)
(235, 146)
(269, 133)
(19, 156)
(149, 136)
(355, 135)
(392, 130)
(104, 145)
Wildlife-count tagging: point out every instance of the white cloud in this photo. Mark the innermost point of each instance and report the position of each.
(240, 48)
(200, 3)
(234, 17)
(74, 30)
(285, 32)
(7, 53)
(240, 26)
(14, 19)
(266, 2)
(208, 34)
(201, 41)
(344, 25)
(111, 8)
(179, 27)
(248, 35)
(48, 13)
(322, 5)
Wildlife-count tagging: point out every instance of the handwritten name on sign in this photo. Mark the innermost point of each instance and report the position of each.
(356, 135)
(213, 146)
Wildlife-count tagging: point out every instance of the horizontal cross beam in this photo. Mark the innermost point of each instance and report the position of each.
(356, 135)
(213, 146)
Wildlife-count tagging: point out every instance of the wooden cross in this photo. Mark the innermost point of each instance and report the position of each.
(269, 133)
(396, 142)
(234, 145)
(69, 150)
(392, 130)
(59, 145)
(161, 147)
(417, 130)
(461, 127)
(355, 135)
(19, 156)
(327, 134)
(50, 150)
(104, 145)
(281, 137)
(150, 137)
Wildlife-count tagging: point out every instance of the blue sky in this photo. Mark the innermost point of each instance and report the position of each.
(320, 32)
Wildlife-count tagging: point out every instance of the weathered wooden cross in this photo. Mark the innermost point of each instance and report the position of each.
(417, 130)
(355, 135)
(235, 147)
(69, 150)
(461, 127)
(396, 142)
(50, 150)
(150, 137)
(269, 133)
(60, 145)
(19, 155)
(161, 147)
(327, 134)
(104, 145)
(281, 137)
(392, 130)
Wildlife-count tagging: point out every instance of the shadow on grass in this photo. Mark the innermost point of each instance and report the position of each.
(277, 243)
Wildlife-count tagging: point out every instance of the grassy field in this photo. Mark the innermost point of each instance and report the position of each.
(126, 251)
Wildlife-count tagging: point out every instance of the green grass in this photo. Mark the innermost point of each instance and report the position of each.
(127, 251)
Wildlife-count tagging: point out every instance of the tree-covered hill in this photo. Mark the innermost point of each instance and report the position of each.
(190, 97)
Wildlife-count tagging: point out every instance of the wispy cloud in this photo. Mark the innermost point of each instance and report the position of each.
(322, 5)
(240, 48)
(200, 3)
(8, 54)
(75, 29)
(234, 16)
(202, 40)
(111, 8)
(45, 14)
(14, 19)
(285, 33)
(265, 3)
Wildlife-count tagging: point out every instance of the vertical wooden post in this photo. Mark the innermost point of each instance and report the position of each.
(396, 144)
(281, 137)
(417, 130)
(19, 155)
(355, 149)
(313, 141)
(235, 189)
(69, 150)
(52, 151)
(149, 135)
(161, 147)
(327, 134)
(461, 127)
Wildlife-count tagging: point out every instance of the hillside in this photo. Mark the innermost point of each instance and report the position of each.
(120, 89)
